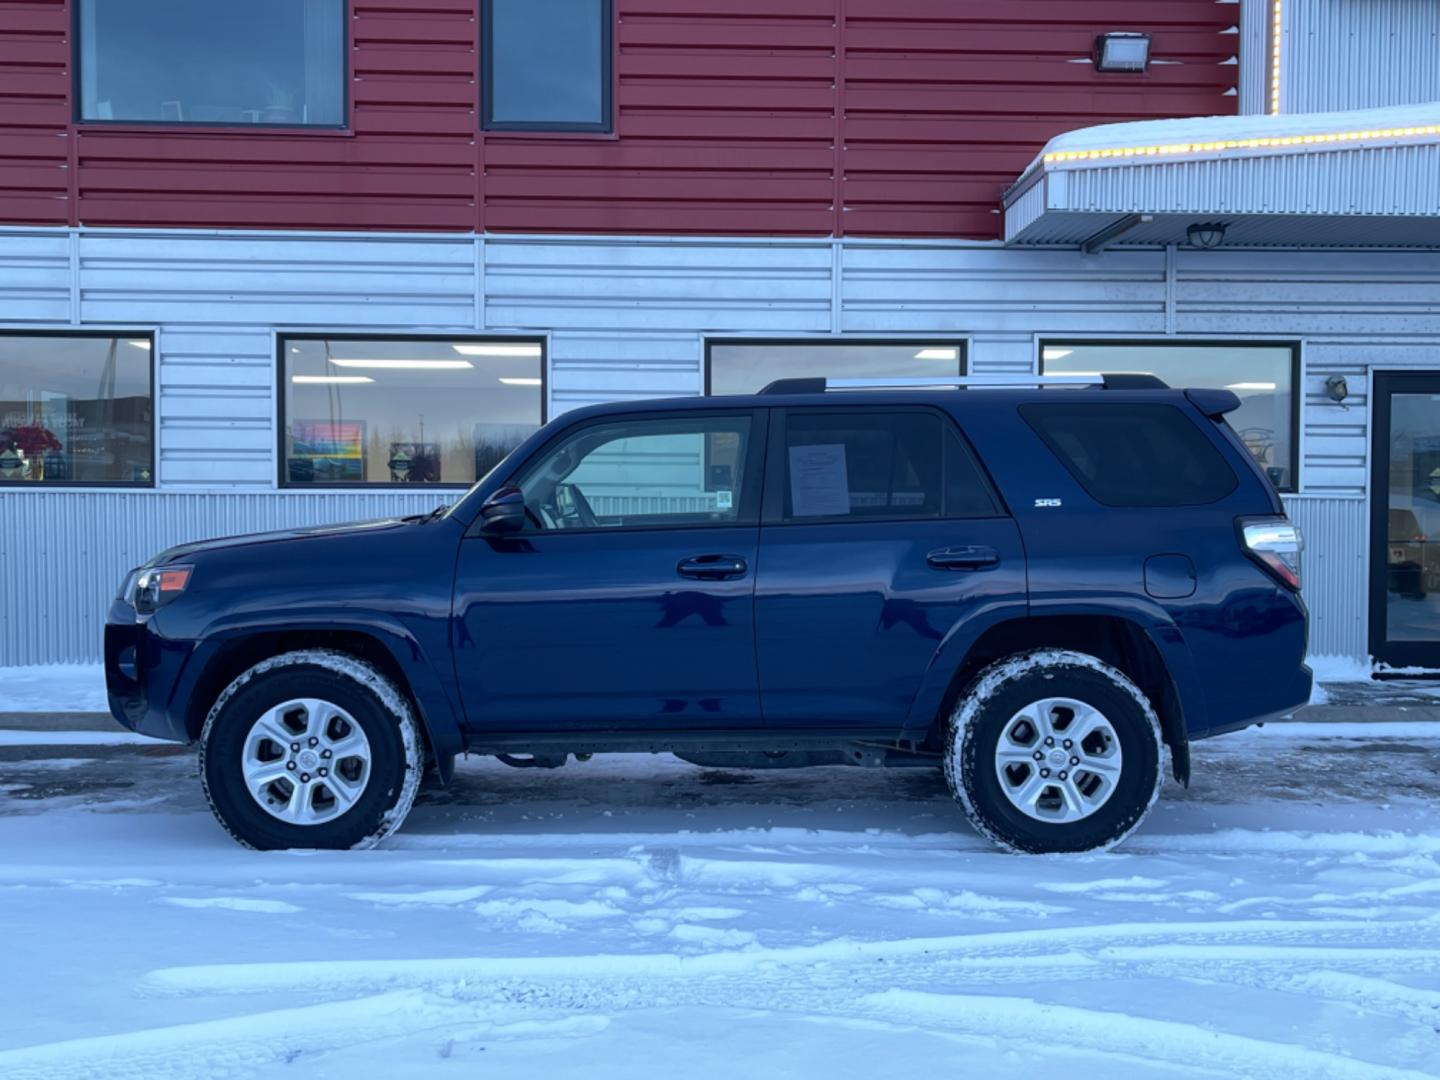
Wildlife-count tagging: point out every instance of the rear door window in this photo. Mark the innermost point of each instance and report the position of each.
(1133, 455)
(869, 465)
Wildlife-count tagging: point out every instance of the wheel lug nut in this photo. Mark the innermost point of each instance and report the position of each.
(325, 754)
(304, 777)
(1044, 773)
(316, 742)
(1062, 775)
(1068, 744)
(1074, 761)
(1039, 756)
(324, 772)
(290, 765)
(295, 747)
(1049, 741)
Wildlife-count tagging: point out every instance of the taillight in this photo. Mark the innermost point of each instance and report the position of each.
(156, 587)
(1276, 545)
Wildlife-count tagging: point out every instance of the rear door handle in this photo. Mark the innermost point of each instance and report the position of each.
(974, 557)
(712, 567)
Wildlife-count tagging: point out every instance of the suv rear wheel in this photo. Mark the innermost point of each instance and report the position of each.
(311, 749)
(1054, 751)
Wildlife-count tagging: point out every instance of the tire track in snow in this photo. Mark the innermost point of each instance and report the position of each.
(216, 1048)
(356, 975)
(1165, 1041)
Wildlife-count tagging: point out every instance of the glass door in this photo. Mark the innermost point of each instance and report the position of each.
(1405, 520)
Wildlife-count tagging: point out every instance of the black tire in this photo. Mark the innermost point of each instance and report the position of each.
(990, 705)
(396, 753)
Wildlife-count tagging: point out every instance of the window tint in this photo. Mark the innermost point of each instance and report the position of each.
(1134, 455)
(878, 465)
(1259, 374)
(416, 411)
(746, 367)
(76, 408)
(547, 65)
(202, 62)
(646, 471)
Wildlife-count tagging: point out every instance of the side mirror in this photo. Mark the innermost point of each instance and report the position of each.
(503, 512)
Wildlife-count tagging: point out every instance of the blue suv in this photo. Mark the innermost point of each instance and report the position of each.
(1040, 587)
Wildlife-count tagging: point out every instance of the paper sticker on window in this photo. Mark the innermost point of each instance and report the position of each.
(722, 500)
(819, 484)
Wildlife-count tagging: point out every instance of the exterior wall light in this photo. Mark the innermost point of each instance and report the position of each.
(1336, 388)
(1207, 235)
(1122, 51)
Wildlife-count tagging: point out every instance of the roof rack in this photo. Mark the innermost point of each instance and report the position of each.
(1124, 381)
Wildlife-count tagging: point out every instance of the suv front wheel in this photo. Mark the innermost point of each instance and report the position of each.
(1054, 751)
(311, 749)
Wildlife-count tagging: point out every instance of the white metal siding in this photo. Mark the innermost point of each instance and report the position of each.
(63, 554)
(1357, 54)
(1335, 582)
(627, 318)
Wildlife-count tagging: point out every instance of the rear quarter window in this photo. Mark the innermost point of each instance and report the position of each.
(1133, 455)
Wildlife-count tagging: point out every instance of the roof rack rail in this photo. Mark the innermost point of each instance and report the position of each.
(1125, 381)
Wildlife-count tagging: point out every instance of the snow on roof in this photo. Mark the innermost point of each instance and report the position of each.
(1295, 133)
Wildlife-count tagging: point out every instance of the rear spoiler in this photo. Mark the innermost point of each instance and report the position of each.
(1213, 403)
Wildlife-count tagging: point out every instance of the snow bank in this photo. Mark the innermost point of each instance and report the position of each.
(53, 688)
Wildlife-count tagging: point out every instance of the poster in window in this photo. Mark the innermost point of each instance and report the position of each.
(415, 463)
(819, 481)
(327, 451)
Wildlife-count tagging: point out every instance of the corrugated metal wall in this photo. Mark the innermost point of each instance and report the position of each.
(1358, 54)
(787, 117)
(628, 318)
(1336, 572)
(63, 554)
(944, 102)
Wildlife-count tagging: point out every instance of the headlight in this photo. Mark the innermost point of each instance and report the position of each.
(127, 587)
(156, 587)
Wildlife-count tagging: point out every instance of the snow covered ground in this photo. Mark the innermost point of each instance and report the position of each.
(635, 916)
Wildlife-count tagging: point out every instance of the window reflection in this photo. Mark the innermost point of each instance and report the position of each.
(745, 367)
(75, 408)
(547, 64)
(417, 411)
(200, 62)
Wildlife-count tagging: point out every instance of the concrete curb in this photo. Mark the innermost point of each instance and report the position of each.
(59, 721)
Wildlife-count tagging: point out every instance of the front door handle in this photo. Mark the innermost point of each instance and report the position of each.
(973, 557)
(712, 567)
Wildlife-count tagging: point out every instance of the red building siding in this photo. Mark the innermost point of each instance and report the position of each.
(874, 117)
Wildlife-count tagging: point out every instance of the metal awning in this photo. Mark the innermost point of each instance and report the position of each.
(1363, 178)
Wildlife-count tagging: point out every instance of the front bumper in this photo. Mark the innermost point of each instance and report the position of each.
(146, 675)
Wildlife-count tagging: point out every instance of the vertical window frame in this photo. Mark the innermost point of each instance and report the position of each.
(344, 127)
(1296, 389)
(283, 338)
(151, 334)
(608, 66)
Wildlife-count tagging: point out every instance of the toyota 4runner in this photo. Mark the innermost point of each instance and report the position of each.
(1041, 587)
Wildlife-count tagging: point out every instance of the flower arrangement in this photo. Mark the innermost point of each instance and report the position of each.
(32, 440)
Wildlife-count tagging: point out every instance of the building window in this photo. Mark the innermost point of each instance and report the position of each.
(278, 62)
(546, 65)
(364, 410)
(745, 367)
(76, 409)
(1262, 375)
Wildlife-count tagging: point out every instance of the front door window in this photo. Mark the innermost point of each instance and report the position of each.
(646, 472)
